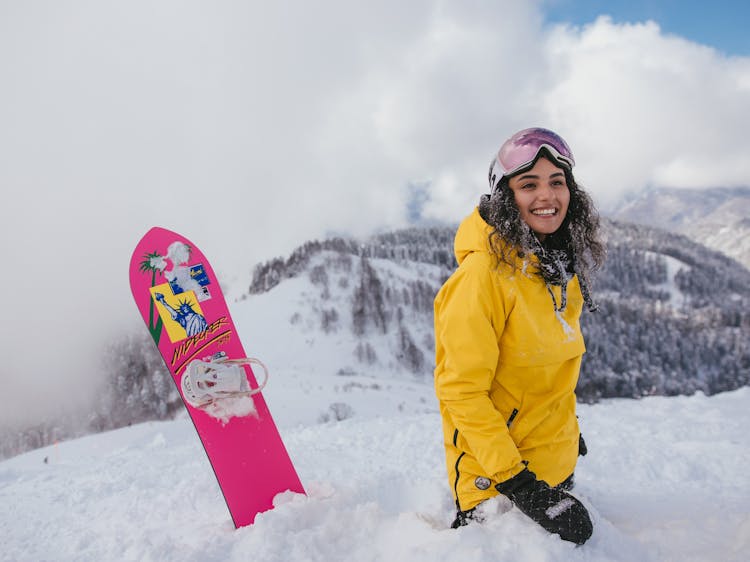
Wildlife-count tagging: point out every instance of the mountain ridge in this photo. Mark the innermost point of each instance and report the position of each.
(668, 305)
(717, 218)
(674, 319)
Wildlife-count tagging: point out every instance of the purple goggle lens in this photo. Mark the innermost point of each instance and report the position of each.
(520, 151)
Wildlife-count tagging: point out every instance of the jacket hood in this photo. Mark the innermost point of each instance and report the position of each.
(472, 236)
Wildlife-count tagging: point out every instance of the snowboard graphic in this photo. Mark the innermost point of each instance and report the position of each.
(181, 302)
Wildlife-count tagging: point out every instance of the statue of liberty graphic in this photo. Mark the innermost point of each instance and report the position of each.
(183, 280)
(193, 322)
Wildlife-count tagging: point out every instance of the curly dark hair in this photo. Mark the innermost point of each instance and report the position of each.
(578, 236)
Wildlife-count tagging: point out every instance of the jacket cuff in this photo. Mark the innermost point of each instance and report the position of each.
(508, 487)
(508, 474)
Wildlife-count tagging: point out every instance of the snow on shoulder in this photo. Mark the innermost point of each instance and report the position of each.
(665, 479)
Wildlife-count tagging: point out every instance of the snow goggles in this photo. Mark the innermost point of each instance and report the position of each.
(520, 152)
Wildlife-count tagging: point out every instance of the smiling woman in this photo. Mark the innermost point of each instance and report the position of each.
(508, 340)
(542, 197)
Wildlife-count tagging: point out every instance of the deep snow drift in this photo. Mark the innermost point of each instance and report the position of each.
(665, 479)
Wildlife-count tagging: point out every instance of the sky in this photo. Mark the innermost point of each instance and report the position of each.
(251, 127)
(721, 24)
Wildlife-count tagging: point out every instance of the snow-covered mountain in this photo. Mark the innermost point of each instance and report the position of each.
(665, 480)
(718, 218)
(353, 319)
(674, 318)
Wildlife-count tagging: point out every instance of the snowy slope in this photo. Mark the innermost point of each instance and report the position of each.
(282, 328)
(665, 479)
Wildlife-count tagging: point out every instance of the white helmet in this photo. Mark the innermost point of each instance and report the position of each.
(206, 381)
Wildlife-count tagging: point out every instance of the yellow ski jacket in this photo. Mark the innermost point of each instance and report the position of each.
(506, 370)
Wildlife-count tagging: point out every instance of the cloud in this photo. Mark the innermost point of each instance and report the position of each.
(644, 108)
(251, 127)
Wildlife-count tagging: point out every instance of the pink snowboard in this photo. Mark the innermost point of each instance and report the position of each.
(182, 304)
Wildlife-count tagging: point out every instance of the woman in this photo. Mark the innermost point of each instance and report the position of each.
(508, 341)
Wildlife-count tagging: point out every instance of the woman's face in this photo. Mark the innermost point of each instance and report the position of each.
(542, 197)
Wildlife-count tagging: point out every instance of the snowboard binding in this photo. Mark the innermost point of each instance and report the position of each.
(217, 377)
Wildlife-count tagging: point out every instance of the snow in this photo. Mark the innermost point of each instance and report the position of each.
(665, 479)
(677, 298)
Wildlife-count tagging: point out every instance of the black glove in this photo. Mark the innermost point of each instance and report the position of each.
(555, 510)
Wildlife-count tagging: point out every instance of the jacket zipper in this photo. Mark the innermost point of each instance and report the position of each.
(513, 415)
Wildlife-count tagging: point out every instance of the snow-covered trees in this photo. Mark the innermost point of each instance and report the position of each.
(674, 318)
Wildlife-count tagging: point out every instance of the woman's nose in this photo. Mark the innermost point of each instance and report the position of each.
(545, 192)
